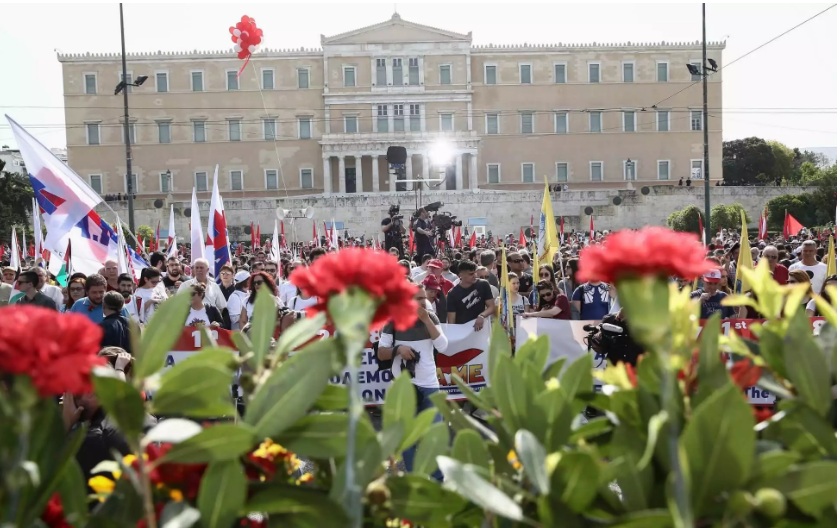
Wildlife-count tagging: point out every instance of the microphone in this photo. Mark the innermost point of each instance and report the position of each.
(590, 328)
(611, 328)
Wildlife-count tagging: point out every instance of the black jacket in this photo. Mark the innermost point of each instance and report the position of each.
(116, 332)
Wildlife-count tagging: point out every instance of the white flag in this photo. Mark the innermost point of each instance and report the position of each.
(334, 235)
(172, 240)
(36, 229)
(14, 260)
(275, 246)
(122, 265)
(196, 236)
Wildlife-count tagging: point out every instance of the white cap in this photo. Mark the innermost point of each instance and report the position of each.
(241, 276)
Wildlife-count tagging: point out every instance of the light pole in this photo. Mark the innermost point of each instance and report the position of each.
(287, 214)
(706, 186)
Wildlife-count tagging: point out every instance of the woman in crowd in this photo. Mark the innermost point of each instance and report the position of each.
(518, 302)
(75, 291)
(811, 307)
(202, 313)
(148, 295)
(801, 277)
(567, 286)
(258, 280)
(553, 304)
(238, 298)
(435, 296)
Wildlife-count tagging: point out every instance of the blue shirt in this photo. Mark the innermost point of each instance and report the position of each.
(94, 313)
(594, 301)
(712, 305)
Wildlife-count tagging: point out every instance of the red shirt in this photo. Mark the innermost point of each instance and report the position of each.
(562, 302)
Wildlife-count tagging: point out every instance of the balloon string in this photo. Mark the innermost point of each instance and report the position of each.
(247, 60)
(276, 150)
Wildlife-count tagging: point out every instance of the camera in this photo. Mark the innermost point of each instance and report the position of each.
(612, 338)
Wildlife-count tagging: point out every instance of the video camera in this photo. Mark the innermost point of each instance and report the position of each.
(612, 338)
(394, 212)
(443, 222)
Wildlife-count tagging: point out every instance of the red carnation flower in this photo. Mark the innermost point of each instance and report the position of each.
(58, 351)
(655, 251)
(745, 374)
(53, 515)
(183, 477)
(377, 273)
(762, 413)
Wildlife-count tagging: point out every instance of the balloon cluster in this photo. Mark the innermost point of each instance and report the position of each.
(246, 37)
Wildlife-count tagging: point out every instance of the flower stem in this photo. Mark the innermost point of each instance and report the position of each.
(353, 493)
(145, 483)
(668, 398)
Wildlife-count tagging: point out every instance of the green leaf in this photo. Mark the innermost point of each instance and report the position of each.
(635, 485)
(418, 427)
(551, 416)
(533, 352)
(554, 370)
(575, 480)
(464, 480)
(263, 324)
(161, 334)
(310, 505)
(508, 386)
(807, 369)
(802, 430)
(645, 519)
(774, 463)
(300, 333)
(711, 371)
(499, 347)
(121, 401)
(471, 395)
(334, 398)
(218, 442)
(222, 494)
(389, 438)
(594, 428)
(532, 456)
(290, 391)
(720, 445)
(577, 378)
(72, 488)
(243, 344)
(469, 448)
(178, 515)
(423, 501)
(197, 391)
(655, 425)
(172, 431)
(400, 402)
(812, 486)
(434, 444)
(317, 436)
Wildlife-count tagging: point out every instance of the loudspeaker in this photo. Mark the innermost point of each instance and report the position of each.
(247, 230)
(158, 203)
(396, 155)
(588, 210)
(188, 211)
(617, 200)
(529, 233)
(645, 190)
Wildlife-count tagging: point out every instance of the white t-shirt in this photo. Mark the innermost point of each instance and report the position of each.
(142, 308)
(197, 316)
(236, 301)
(817, 272)
(425, 372)
(297, 304)
(287, 290)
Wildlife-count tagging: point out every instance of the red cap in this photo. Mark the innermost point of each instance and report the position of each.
(435, 263)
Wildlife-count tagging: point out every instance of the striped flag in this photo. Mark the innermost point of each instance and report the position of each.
(762, 225)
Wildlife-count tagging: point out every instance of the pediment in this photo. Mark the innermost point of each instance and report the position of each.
(395, 31)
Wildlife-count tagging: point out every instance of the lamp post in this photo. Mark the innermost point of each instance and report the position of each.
(706, 187)
(287, 214)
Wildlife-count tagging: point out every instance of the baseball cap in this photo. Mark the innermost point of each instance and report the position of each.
(431, 282)
(241, 276)
(435, 263)
(712, 276)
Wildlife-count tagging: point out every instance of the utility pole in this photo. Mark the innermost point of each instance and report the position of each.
(126, 128)
(706, 185)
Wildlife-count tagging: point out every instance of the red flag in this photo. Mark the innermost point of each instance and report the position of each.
(472, 239)
(458, 237)
(411, 241)
(792, 226)
(762, 225)
(315, 239)
(141, 246)
(562, 231)
(282, 235)
(2, 252)
(522, 241)
(259, 236)
(592, 228)
(328, 234)
(156, 241)
(31, 250)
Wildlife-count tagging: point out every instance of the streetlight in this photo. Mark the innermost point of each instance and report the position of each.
(296, 214)
(123, 87)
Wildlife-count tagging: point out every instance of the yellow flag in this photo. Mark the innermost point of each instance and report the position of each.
(505, 308)
(547, 243)
(832, 257)
(744, 256)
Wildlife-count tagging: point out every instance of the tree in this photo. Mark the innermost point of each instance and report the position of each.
(748, 161)
(727, 216)
(15, 199)
(799, 205)
(146, 233)
(783, 157)
(686, 220)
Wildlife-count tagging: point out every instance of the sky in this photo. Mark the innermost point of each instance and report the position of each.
(786, 90)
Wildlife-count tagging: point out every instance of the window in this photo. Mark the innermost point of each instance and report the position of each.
(562, 171)
(164, 132)
(271, 179)
(696, 120)
(197, 79)
(382, 118)
(127, 79)
(235, 130)
(445, 74)
(268, 79)
(663, 171)
(560, 73)
(629, 170)
(447, 122)
(201, 181)
(236, 180)
(699, 66)
(166, 182)
(663, 120)
(162, 82)
(629, 121)
(596, 171)
(414, 124)
(381, 72)
(399, 118)
(594, 72)
(92, 132)
(232, 81)
(629, 72)
(303, 77)
(491, 123)
(489, 74)
(594, 121)
(351, 124)
(305, 178)
(304, 128)
(697, 169)
(199, 133)
(527, 173)
(397, 72)
(561, 122)
(131, 133)
(269, 129)
(414, 72)
(661, 72)
(90, 83)
(526, 122)
(493, 173)
(349, 76)
(96, 182)
(524, 74)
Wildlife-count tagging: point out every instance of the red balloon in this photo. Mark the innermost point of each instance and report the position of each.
(230, 30)
(234, 39)
(256, 41)
(244, 53)
(249, 35)
(245, 18)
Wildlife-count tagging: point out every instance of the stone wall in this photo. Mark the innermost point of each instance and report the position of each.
(499, 211)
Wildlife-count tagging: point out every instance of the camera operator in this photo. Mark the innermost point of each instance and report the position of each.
(424, 232)
(394, 230)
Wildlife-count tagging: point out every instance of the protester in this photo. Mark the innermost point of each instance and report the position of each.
(771, 255)
(237, 300)
(435, 296)
(711, 297)
(418, 273)
(27, 284)
(227, 285)
(811, 308)
(116, 332)
(9, 275)
(149, 294)
(111, 272)
(44, 286)
(518, 302)
(516, 264)
(75, 291)
(213, 295)
(174, 276)
(816, 270)
(257, 281)
(591, 300)
(201, 312)
(471, 301)
(552, 303)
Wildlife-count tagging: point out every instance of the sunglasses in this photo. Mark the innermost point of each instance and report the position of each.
(546, 295)
(259, 283)
(519, 261)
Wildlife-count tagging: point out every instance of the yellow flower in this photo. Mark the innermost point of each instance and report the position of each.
(269, 450)
(101, 485)
(306, 478)
(176, 495)
(128, 460)
(514, 461)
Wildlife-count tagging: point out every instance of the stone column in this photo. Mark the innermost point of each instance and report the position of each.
(342, 182)
(374, 165)
(474, 172)
(327, 177)
(360, 184)
(459, 172)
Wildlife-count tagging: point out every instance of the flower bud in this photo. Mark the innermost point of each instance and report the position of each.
(770, 503)
(740, 504)
(378, 493)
